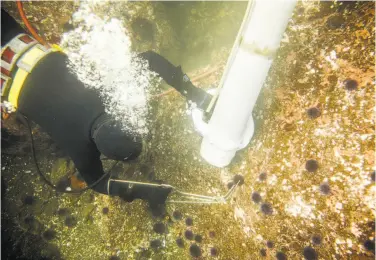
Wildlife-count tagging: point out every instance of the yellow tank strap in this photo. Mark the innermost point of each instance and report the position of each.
(56, 47)
(25, 65)
(16, 87)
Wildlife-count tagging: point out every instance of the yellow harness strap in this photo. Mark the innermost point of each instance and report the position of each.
(16, 87)
(23, 67)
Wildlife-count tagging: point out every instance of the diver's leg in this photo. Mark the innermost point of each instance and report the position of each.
(113, 141)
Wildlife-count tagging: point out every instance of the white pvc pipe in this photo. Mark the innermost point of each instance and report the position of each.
(231, 126)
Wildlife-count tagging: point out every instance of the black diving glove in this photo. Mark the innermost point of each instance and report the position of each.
(155, 195)
(192, 93)
(175, 77)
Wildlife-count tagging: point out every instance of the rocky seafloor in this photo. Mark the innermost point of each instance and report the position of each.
(309, 174)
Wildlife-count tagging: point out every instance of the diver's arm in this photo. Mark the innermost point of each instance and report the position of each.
(86, 158)
(175, 77)
(91, 169)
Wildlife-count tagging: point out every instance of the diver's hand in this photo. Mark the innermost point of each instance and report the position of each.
(175, 77)
(155, 195)
(195, 96)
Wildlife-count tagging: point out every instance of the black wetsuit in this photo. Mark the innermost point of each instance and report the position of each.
(56, 100)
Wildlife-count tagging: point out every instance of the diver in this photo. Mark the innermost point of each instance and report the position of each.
(36, 82)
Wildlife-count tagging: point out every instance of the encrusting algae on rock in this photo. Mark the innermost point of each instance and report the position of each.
(309, 177)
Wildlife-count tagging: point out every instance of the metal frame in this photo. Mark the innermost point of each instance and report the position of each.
(187, 198)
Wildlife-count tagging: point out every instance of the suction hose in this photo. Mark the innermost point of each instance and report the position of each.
(231, 126)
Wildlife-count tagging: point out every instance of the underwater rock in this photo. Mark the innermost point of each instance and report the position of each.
(70, 221)
(49, 234)
(289, 126)
(26, 149)
(239, 179)
(303, 48)
(316, 239)
(256, 197)
(311, 165)
(263, 252)
(309, 253)
(159, 228)
(299, 10)
(3, 187)
(50, 206)
(148, 171)
(281, 256)
(262, 176)
(350, 84)
(266, 208)
(177, 215)
(195, 250)
(143, 253)
(143, 28)
(91, 198)
(213, 251)
(114, 257)
(49, 251)
(198, 238)
(90, 219)
(313, 112)
(270, 244)
(333, 79)
(188, 234)
(324, 188)
(180, 242)
(105, 210)
(189, 222)
(156, 243)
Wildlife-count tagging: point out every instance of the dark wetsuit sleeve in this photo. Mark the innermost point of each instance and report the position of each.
(171, 74)
(175, 77)
(87, 161)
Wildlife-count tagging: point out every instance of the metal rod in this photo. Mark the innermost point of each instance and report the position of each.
(190, 198)
(195, 195)
(231, 191)
(143, 183)
(214, 199)
(195, 202)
